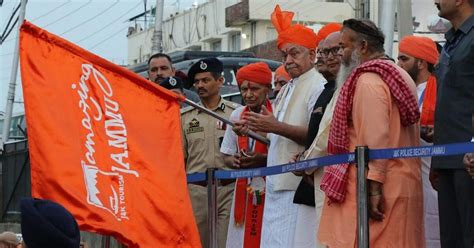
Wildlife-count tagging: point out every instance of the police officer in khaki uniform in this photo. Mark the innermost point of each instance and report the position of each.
(202, 137)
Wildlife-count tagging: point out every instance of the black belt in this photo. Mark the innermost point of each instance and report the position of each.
(222, 182)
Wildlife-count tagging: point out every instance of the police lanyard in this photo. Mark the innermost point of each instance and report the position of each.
(251, 144)
(422, 97)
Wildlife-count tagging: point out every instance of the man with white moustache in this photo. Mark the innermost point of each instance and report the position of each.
(287, 127)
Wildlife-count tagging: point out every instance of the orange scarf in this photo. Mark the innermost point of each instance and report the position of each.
(244, 206)
(429, 103)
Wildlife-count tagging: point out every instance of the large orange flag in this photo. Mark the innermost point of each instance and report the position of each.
(105, 143)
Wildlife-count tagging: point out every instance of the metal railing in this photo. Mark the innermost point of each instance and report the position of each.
(359, 158)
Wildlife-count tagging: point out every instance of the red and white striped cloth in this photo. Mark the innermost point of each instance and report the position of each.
(334, 181)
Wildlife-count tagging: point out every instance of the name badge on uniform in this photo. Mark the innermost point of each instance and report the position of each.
(194, 127)
(221, 125)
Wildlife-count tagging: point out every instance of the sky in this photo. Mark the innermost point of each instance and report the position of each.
(99, 26)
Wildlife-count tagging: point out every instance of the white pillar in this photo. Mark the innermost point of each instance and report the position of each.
(387, 22)
(405, 18)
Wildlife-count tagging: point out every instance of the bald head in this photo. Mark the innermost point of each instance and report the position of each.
(331, 54)
(333, 38)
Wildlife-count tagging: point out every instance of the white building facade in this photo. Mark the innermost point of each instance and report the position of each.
(230, 25)
(235, 25)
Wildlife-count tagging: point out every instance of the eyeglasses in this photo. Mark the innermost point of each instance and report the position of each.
(335, 51)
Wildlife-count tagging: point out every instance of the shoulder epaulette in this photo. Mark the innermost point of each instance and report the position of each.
(232, 105)
(186, 109)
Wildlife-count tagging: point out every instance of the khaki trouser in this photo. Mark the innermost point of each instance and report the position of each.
(198, 196)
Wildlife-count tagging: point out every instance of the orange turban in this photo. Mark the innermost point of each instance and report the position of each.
(288, 33)
(258, 73)
(419, 47)
(281, 72)
(328, 29)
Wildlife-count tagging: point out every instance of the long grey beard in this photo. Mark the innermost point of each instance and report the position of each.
(346, 70)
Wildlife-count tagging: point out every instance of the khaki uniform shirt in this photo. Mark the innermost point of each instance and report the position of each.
(203, 135)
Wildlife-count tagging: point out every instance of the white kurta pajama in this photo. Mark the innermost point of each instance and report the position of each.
(319, 149)
(235, 234)
(430, 196)
(293, 105)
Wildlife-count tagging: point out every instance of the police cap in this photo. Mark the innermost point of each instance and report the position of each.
(205, 65)
(172, 83)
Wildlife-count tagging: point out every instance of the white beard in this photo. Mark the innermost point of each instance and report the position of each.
(346, 70)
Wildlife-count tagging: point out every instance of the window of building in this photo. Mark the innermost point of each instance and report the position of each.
(235, 42)
(216, 46)
(253, 34)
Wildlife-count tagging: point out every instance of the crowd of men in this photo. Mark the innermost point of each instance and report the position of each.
(336, 90)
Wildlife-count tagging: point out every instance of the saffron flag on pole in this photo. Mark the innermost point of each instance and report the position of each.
(105, 143)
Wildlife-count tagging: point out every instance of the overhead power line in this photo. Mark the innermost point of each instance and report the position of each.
(110, 23)
(91, 18)
(8, 29)
(37, 18)
(68, 14)
(108, 37)
(51, 11)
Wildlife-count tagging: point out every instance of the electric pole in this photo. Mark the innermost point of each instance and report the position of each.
(157, 40)
(12, 86)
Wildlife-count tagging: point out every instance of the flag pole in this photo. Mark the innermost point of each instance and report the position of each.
(12, 86)
(251, 134)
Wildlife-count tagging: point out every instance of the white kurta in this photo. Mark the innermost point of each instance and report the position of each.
(280, 214)
(235, 234)
(307, 220)
(229, 143)
(319, 149)
(430, 196)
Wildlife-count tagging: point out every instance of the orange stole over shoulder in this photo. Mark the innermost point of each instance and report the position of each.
(429, 103)
(244, 207)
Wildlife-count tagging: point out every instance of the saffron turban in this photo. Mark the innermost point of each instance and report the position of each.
(281, 72)
(289, 33)
(328, 29)
(258, 73)
(419, 47)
